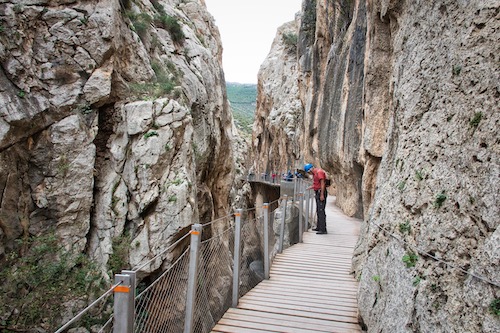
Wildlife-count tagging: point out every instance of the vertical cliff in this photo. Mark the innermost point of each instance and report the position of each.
(400, 105)
(115, 136)
(277, 127)
(437, 187)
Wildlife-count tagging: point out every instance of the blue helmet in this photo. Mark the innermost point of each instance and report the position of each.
(308, 167)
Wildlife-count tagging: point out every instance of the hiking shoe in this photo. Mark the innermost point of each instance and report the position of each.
(315, 229)
(321, 232)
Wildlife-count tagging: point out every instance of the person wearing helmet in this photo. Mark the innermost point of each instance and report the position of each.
(319, 187)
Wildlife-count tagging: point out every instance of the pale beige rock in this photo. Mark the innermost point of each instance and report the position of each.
(400, 107)
(81, 154)
(98, 87)
(279, 110)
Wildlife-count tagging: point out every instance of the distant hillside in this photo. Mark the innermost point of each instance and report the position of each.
(242, 97)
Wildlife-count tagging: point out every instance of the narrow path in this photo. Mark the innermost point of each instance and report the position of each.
(310, 289)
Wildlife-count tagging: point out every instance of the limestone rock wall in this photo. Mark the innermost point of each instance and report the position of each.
(277, 127)
(400, 106)
(113, 125)
(438, 185)
(331, 66)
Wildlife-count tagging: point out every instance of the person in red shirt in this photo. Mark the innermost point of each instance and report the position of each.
(319, 187)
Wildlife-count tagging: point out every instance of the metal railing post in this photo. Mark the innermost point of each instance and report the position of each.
(313, 208)
(192, 277)
(295, 192)
(124, 298)
(301, 211)
(237, 258)
(265, 207)
(307, 209)
(282, 226)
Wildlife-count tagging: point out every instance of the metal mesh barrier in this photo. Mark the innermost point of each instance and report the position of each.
(161, 307)
(215, 271)
(252, 260)
(272, 239)
(107, 327)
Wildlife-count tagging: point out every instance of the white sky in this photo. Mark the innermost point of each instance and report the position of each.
(247, 29)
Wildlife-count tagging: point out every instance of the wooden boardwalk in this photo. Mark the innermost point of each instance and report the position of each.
(310, 289)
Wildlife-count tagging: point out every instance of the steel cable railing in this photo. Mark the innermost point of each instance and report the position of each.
(169, 248)
(213, 295)
(84, 311)
(427, 254)
(252, 263)
(161, 305)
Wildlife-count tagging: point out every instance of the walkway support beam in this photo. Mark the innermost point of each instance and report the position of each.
(237, 258)
(194, 255)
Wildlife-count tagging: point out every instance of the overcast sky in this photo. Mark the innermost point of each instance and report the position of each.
(247, 29)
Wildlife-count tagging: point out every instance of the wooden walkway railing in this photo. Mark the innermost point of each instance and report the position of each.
(310, 289)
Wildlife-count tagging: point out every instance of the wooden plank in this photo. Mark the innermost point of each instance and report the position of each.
(314, 289)
(314, 280)
(300, 307)
(235, 329)
(325, 273)
(294, 312)
(279, 322)
(288, 288)
(312, 257)
(264, 326)
(330, 241)
(313, 267)
(315, 259)
(326, 244)
(312, 253)
(314, 249)
(333, 242)
(337, 296)
(297, 305)
(287, 323)
(310, 274)
(305, 298)
(332, 298)
(321, 267)
(294, 320)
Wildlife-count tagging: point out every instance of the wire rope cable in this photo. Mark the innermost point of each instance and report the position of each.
(78, 316)
(218, 219)
(163, 274)
(162, 252)
(218, 235)
(437, 259)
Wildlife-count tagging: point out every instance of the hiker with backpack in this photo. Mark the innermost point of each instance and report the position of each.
(319, 187)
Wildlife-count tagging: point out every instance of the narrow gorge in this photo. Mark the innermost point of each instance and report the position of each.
(116, 135)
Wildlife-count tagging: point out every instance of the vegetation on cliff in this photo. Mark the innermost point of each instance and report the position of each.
(41, 278)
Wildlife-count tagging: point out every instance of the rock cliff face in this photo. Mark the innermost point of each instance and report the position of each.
(278, 116)
(400, 106)
(114, 126)
(332, 52)
(438, 179)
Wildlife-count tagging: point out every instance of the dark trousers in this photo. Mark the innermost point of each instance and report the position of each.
(320, 210)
